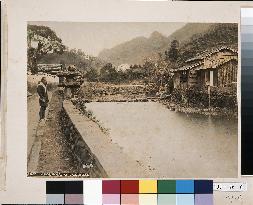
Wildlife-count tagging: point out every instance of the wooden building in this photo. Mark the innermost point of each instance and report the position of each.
(50, 68)
(217, 67)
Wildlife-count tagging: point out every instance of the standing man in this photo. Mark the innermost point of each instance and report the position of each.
(42, 92)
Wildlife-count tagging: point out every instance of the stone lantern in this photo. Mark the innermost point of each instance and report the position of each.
(71, 80)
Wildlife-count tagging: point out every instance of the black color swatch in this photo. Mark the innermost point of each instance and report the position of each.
(64, 187)
(55, 187)
(74, 187)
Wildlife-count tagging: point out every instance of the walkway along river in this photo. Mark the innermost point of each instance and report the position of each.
(171, 144)
(54, 155)
(163, 143)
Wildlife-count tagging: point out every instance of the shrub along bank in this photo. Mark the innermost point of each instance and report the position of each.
(217, 102)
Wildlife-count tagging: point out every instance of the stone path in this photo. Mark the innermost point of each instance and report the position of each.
(33, 118)
(55, 156)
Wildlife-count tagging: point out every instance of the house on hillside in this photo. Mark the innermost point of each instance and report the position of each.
(50, 68)
(217, 67)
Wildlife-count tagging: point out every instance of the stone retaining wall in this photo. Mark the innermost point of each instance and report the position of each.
(92, 146)
(69, 121)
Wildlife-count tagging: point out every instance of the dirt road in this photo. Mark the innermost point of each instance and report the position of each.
(33, 118)
(55, 156)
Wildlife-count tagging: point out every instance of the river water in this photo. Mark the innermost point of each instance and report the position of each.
(171, 144)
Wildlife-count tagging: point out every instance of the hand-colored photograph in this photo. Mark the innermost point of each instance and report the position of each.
(132, 100)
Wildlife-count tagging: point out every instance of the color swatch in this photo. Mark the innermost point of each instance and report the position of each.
(129, 186)
(167, 186)
(148, 186)
(64, 192)
(157, 192)
(246, 91)
(185, 186)
(55, 191)
(111, 192)
(131, 192)
(92, 191)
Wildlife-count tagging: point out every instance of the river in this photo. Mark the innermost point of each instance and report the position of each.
(171, 144)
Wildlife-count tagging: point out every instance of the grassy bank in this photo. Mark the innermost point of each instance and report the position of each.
(191, 100)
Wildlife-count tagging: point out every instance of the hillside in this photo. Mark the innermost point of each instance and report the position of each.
(193, 38)
(217, 35)
(137, 49)
(73, 57)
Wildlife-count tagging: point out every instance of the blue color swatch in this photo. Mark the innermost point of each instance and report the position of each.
(185, 199)
(184, 186)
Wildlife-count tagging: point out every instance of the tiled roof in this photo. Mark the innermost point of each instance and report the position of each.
(188, 67)
(210, 52)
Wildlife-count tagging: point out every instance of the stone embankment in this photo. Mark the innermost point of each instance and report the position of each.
(71, 122)
(51, 154)
(94, 148)
(71, 144)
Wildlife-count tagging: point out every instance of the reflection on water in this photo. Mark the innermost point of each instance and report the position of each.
(171, 144)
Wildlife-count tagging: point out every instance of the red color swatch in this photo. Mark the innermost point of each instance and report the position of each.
(111, 186)
(130, 186)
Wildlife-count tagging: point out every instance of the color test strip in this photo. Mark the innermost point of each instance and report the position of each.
(92, 191)
(203, 190)
(111, 192)
(147, 186)
(246, 91)
(74, 192)
(166, 186)
(134, 192)
(55, 191)
(160, 192)
(64, 192)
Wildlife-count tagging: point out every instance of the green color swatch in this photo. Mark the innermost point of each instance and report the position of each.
(166, 199)
(167, 186)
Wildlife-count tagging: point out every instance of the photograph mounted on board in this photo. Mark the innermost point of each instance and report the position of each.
(132, 100)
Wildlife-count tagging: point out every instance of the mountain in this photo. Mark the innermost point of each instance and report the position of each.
(137, 49)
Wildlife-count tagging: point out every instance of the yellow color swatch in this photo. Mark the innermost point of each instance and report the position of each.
(148, 186)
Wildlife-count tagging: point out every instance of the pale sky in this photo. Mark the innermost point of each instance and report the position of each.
(93, 37)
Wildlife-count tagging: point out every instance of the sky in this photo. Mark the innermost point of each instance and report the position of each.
(93, 37)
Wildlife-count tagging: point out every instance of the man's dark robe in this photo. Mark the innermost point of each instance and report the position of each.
(42, 92)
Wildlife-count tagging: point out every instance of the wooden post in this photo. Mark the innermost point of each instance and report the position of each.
(209, 96)
(211, 78)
